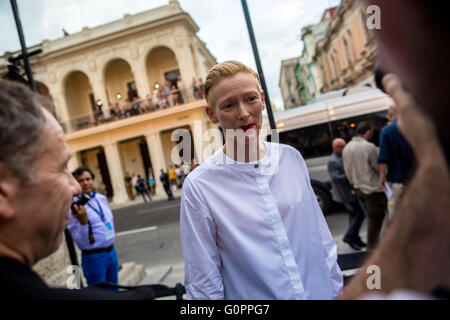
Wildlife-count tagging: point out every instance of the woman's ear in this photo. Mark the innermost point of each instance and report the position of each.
(211, 115)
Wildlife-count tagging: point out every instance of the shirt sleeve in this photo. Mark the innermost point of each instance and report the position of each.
(373, 157)
(79, 232)
(348, 173)
(383, 157)
(202, 264)
(336, 173)
(328, 244)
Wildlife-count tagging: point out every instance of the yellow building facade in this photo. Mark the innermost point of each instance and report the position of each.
(97, 74)
(347, 53)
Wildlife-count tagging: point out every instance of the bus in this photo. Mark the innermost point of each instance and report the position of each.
(311, 129)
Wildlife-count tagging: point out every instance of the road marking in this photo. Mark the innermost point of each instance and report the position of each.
(158, 209)
(124, 233)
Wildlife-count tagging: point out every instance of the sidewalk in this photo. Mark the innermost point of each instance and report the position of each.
(139, 200)
(168, 275)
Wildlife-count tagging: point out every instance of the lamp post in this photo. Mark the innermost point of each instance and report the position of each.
(23, 45)
(258, 63)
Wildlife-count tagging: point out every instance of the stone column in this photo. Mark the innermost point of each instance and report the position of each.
(186, 65)
(157, 157)
(141, 78)
(200, 61)
(74, 162)
(116, 172)
(59, 99)
(98, 86)
(197, 128)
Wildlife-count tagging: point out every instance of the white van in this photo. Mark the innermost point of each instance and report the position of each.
(311, 129)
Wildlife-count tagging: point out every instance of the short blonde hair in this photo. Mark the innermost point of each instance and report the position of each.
(224, 70)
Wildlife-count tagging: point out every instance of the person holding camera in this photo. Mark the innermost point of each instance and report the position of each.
(92, 228)
(36, 191)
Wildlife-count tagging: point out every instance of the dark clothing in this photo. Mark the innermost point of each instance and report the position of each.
(142, 189)
(347, 195)
(356, 218)
(19, 282)
(375, 205)
(165, 181)
(339, 180)
(396, 152)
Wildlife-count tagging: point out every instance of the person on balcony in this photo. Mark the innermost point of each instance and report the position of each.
(182, 88)
(168, 93)
(155, 99)
(175, 95)
(195, 88)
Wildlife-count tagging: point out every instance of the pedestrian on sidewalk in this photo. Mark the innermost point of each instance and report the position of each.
(142, 189)
(172, 177)
(92, 229)
(151, 181)
(164, 177)
(361, 168)
(347, 195)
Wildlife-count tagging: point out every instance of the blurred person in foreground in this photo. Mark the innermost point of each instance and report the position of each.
(413, 255)
(250, 229)
(36, 190)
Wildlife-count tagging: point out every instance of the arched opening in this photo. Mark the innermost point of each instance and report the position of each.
(162, 69)
(80, 100)
(43, 90)
(119, 82)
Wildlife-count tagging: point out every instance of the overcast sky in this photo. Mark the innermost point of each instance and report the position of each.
(277, 25)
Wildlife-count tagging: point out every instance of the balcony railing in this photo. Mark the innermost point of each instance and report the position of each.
(137, 107)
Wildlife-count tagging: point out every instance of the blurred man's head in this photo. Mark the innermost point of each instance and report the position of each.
(364, 129)
(338, 145)
(412, 44)
(36, 189)
(392, 113)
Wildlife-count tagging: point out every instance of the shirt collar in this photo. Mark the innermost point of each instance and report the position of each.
(220, 158)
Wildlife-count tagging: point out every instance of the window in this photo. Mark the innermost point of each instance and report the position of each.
(312, 141)
(347, 53)
(315, 141)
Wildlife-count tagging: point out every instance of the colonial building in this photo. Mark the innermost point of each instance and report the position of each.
(308, 71)
(288, 84)
(105, 82)
(346, 54)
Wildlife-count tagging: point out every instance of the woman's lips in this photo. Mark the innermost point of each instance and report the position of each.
(248, 127)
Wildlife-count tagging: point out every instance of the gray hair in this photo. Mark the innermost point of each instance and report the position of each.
(22, 122)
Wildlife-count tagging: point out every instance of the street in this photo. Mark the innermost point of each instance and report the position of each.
(149, 234)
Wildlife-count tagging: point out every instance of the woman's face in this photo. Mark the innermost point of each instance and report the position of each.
(237, 104)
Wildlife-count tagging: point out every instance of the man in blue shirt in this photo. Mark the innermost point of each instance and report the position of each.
(92, 229)
(395, 161)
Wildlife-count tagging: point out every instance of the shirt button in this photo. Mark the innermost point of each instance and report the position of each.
(256, 166)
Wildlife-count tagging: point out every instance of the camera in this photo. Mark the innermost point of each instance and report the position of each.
(85, 197)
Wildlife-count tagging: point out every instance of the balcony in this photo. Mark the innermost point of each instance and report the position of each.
(138, 107)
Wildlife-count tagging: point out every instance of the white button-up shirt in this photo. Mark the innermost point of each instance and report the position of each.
(255, 231)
